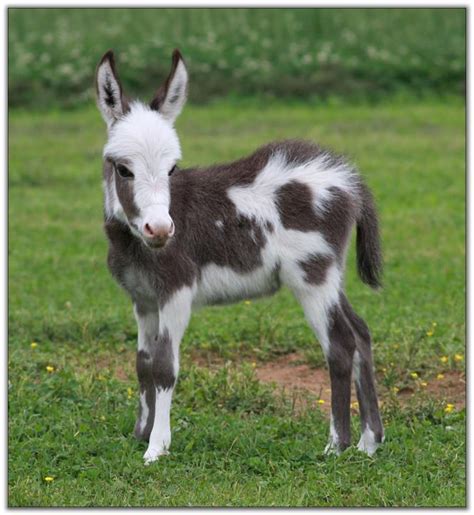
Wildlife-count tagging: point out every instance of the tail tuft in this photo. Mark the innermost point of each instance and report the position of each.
(369, 252)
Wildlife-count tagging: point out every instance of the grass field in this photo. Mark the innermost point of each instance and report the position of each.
(236, 442)
(272, 52)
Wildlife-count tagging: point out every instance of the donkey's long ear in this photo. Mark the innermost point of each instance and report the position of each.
(109, 90)
(171, 97)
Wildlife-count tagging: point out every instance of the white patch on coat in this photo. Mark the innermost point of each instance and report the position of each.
(317, 300)
(220, 284)
(175, 314)
(160, 438)
(219, 224)
(367, 442)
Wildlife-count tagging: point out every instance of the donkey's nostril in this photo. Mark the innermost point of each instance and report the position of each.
(148, 230)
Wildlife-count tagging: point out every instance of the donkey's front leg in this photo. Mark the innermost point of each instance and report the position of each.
(148, 328)
(174, 317)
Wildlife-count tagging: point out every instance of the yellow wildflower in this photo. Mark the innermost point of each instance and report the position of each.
(429, 333)
(33, 345)
(424, 384)
(48, 479)
(434, 324)
(414, 375)
(440, 376)
(444, 359)
(458, 357)
(321, 401)
(449, 408)
(49, 369)
(395, 389)
(247, 302)
(129, 392)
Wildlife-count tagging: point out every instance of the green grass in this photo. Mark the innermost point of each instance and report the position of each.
(235, 441)
(275, 52)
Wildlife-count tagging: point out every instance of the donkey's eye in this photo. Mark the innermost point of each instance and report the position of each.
(172, 170)
(124, 172)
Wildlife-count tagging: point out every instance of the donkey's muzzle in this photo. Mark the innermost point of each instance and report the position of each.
(157, 235)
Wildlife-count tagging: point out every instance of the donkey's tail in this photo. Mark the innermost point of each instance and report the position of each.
(369, 251)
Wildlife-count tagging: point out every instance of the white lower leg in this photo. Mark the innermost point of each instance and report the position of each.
(160, 438)
(367, 442)
(332, 446)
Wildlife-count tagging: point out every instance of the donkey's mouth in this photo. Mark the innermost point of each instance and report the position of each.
(156, 244)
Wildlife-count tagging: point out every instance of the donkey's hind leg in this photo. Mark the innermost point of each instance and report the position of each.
(371, 423)
(327, 319)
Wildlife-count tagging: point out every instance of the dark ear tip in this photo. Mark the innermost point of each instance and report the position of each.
(108, 56)
(177, 56)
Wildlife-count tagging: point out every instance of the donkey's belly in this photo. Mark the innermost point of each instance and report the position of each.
(223, 285)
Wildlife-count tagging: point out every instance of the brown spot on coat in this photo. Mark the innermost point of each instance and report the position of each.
(338, 219)
(163, 362)
(294, 202)
(316, 268)
(295, 205)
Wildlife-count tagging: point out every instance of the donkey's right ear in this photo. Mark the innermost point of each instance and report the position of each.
(109, 90)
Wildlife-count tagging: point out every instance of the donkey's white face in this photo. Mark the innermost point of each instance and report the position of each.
(141, 151)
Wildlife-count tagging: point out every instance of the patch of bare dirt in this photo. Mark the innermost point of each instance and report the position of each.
(304, 384)
(297, 379)
(450, 388)
(120, 365)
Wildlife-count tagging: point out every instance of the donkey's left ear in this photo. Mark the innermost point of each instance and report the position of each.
(110, 100)
(169, 100)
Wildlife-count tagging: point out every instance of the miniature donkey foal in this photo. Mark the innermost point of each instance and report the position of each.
(185, 238)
